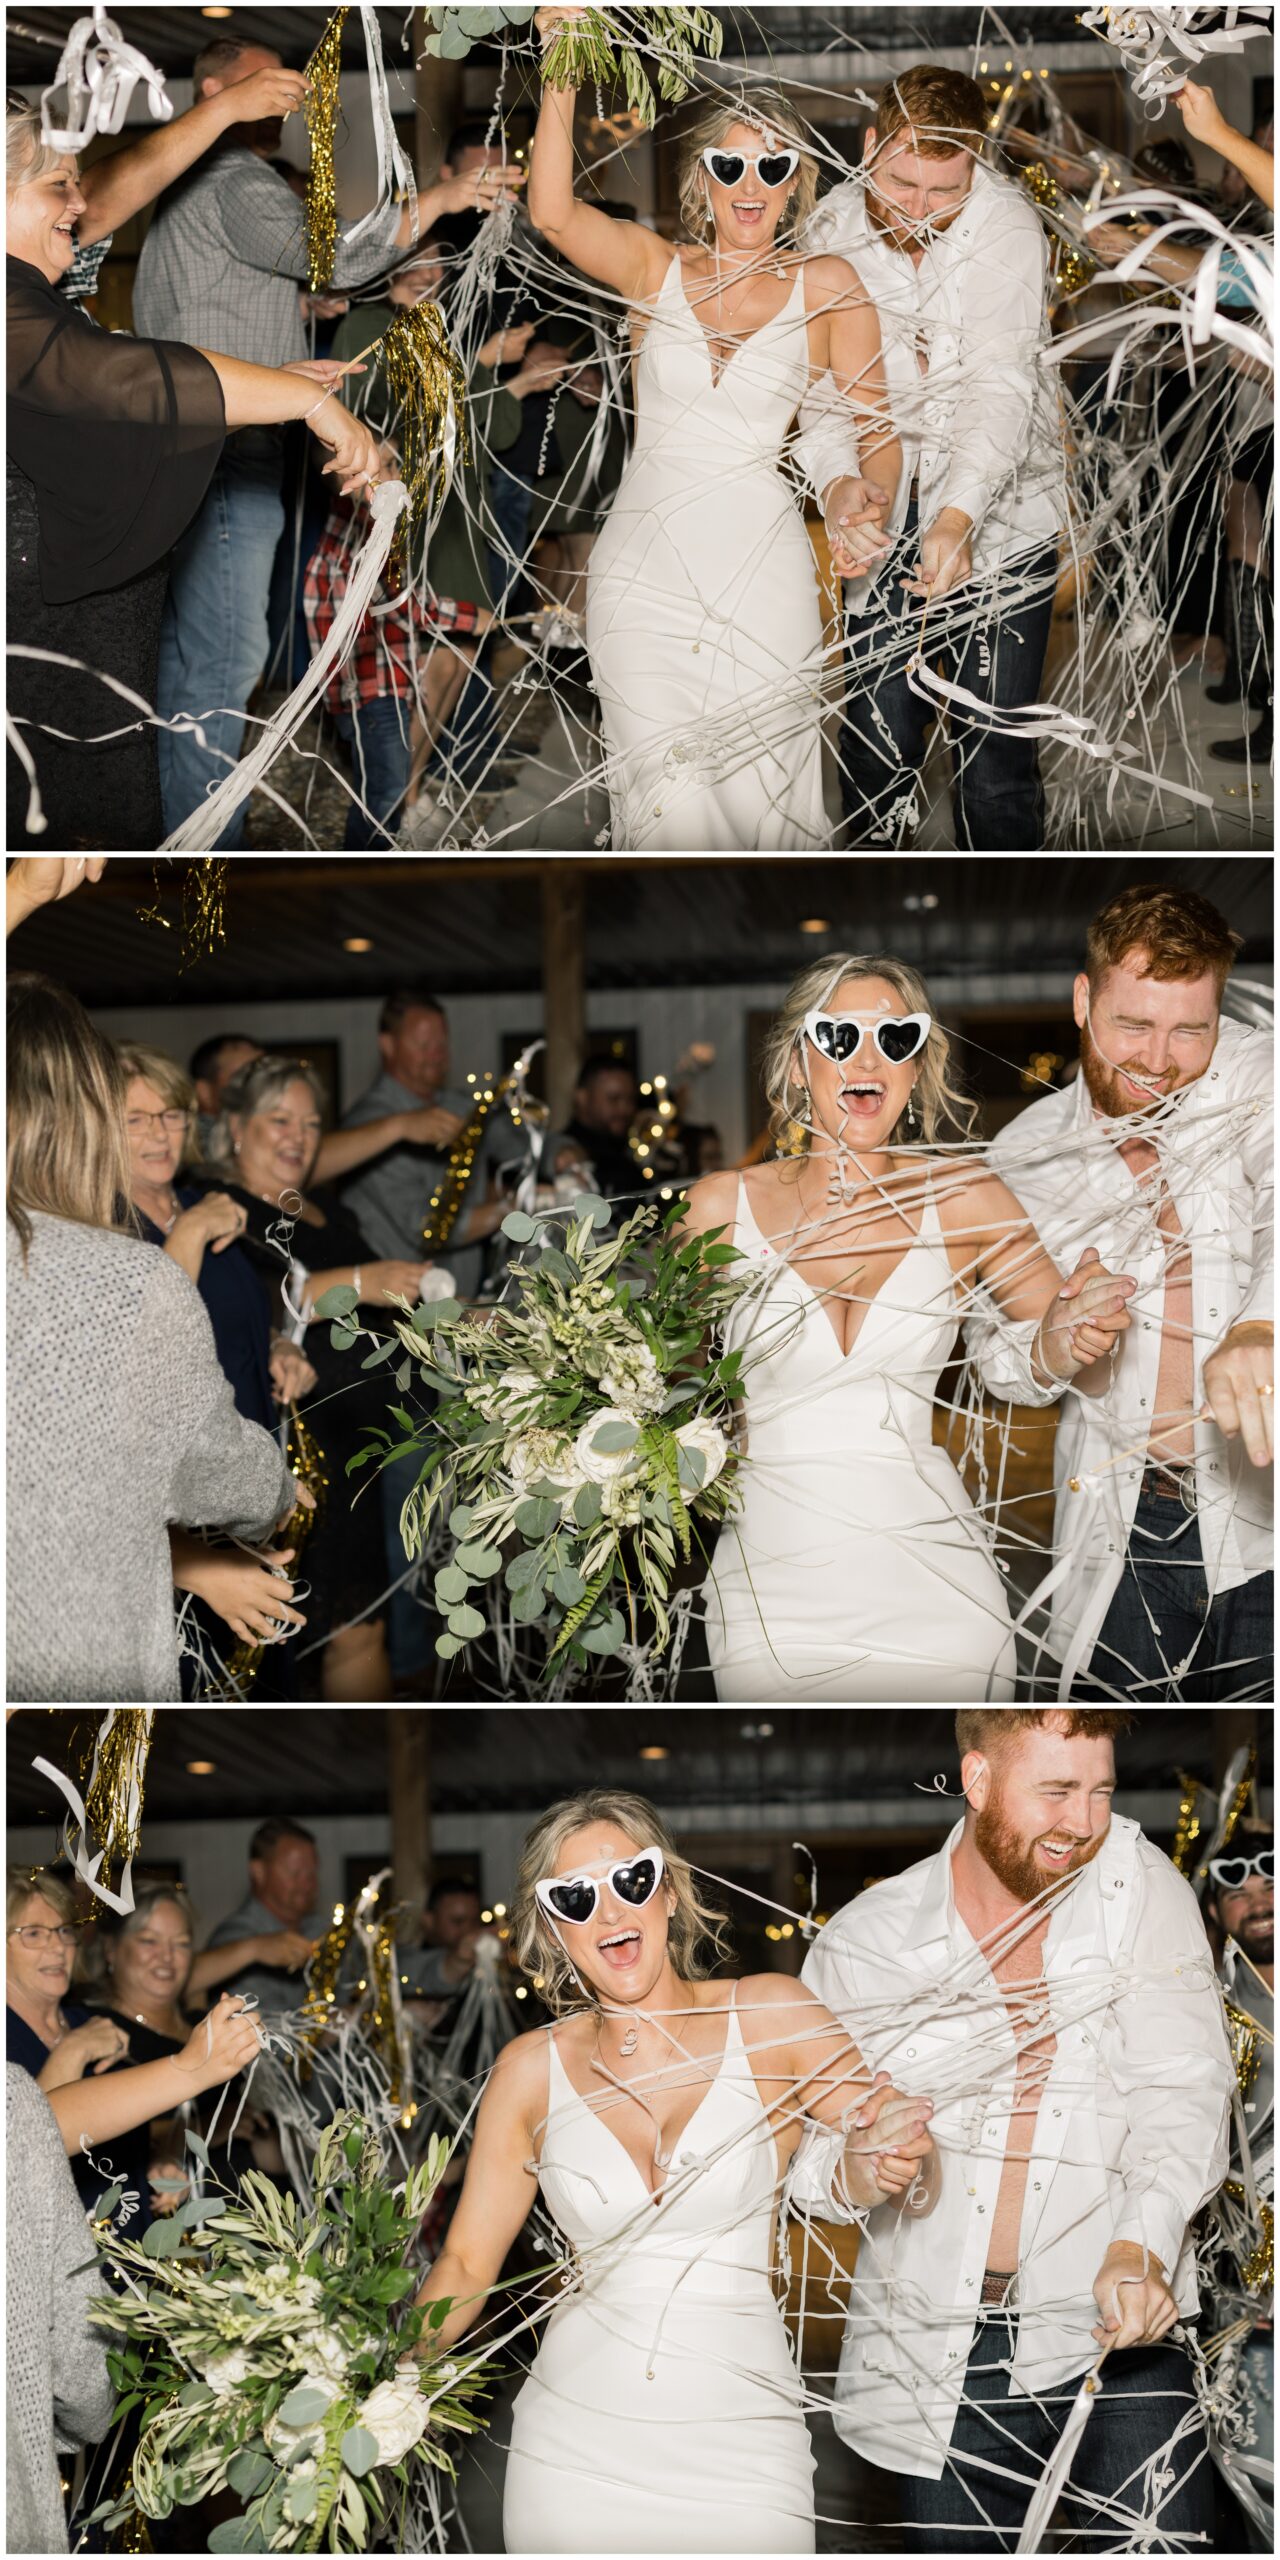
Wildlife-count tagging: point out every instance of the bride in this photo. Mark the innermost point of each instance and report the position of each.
(857, 1568)
(704, 623)
(663, 2411)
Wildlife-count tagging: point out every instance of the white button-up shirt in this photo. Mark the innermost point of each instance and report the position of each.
(1216, 1151)
(1130, 2138)
(975, 408)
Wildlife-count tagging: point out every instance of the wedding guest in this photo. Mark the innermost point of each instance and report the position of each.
(59, 2394)
(221, 264)
(954, 258)
(112, 442)
(263, 1154)
(1159, 1153)
(141, 1970)
(121, 1422)
(213, 1064)
(279, 1914)
(1076, 2155)
(53, 2037)
(392, 1198)
(441, 1967)
(400, 687)
(606, 1098)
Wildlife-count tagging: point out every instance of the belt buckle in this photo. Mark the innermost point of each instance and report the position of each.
(1188, 1491)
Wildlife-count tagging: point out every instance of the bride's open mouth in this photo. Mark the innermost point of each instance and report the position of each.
(749, 213)
(861, 1101)
(621, 1949)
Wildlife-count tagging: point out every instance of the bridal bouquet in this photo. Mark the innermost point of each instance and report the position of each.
(255, 2335)
(580, 1440)
(599, 45)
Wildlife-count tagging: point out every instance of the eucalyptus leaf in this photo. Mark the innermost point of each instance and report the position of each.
(527, 1605)
(452, 1585)
(200, 2209)
(447, 1646)
(437, 1314)
(611, 1437)
(605, 1638)
(239, 2533)
(382, 1351)
(480, 1562)
(250, 2472)
(359, 2451)
(466, 1624)
(162, 2239)
(303, 2407)
(196, 2142)
(692, 1467)
(300, 2500)
(517, 1226)
(523, 1570)
(568, 1585)
(454, 45)
(588, 1503)
(536, 1518)
(589, 1205)
(341, 1300)
(460, 1519)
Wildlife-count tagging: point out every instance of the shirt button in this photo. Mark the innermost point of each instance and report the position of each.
(1213, 1311)
(982, 2208)
(1036, 2184)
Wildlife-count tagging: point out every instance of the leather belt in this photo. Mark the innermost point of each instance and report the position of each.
(995, 2286)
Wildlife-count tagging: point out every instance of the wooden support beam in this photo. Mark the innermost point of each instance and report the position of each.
(564, 976)
(409, 1789)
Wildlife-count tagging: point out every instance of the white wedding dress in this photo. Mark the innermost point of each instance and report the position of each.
(663, 2410)
(856, 1568)
(704, 624)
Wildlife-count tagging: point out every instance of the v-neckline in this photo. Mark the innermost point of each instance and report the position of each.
(744, 341)
(817, 1295)
(655, 2194)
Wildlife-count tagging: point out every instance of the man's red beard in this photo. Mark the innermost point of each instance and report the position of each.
(1115, 1099)
(1012, 1858)
(886, 218)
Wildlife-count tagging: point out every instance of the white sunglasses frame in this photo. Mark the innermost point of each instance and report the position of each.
(1252, 1867)
(751, 160)
(866, 1022)
(542, 1889)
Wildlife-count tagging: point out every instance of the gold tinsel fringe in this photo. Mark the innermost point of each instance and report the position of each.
(428, 385)
(204, 895)
(1245, 2046)
(1188, 1830)
(1259, 2268)
(307, 1464)
(321, 111)
(113, 1795)
(323, 1974)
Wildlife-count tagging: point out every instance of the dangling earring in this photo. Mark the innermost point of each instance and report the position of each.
(913, 1117)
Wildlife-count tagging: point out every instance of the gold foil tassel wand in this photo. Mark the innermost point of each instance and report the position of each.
(321, 112)
(110, 1811)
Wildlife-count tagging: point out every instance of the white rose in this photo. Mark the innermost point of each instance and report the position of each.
(226, 2373)
(328, 2354)
(712, 1447)
(282, 2437)
(517, 1393)
(542, 1457)
(395, 2414)
(601, 1466)
(633, 1378)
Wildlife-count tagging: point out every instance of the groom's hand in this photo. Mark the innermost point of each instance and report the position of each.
(854, 510)
(946, 556)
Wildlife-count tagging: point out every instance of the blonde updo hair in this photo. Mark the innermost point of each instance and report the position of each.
(769, 112)
(29, 1884)
(944, 1111)
(27, 155)
(696, 1935)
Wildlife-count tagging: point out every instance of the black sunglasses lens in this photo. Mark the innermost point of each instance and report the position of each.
(575, 1900)
(1265, 1863)
(899, 1040)
(635, 1883)
(775, 170)
(727, 167)
(837, 1040)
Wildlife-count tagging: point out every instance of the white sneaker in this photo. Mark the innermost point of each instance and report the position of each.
(555, 628)
(427, 824)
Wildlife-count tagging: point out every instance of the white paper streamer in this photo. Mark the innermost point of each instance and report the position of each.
(1150, 41)
(1048, 720)
(99, 72)
(35, 823)
(391, 159)
(200, 832)
(75, 1848)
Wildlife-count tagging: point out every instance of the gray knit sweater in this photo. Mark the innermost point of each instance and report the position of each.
(120, 1422)
(58, 2393)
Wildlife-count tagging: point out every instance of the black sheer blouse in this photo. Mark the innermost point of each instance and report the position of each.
(118, 435)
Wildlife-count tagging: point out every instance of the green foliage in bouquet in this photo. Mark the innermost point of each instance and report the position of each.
(580, 1440)
(602, 45)
(255, 2336)
(605, 43)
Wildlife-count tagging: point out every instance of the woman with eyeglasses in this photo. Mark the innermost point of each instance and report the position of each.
(657, 2115)
(857, 1567)
(704, 620)
(67, 2047)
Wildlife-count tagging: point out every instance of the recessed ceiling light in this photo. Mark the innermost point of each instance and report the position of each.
(215, 13)
(357, 942)
(201, 1768)
(814, 924)
(654, 1751)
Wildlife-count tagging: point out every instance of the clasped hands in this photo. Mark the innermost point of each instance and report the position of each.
(887, 2144)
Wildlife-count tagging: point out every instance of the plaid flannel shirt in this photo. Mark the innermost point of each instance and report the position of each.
(394, 636)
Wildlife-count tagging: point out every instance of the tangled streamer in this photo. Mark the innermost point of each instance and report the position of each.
(99, 72)
(1155, 45)
(110, 1810)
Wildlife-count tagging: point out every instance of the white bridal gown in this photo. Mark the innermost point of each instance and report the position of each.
(703, 619)
(663, 2410)
(857, 1568)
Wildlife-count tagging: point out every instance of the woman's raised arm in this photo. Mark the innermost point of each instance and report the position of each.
(621, 254)
(497, 2192)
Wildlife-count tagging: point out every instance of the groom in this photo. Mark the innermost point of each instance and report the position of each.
(954, 259)
(1073, 2043)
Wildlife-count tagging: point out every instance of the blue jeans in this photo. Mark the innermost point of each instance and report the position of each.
(511, 502)
(213, 644)
(1161, 1614)
(381, 753)
(1145, 2392)
(999, 797)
